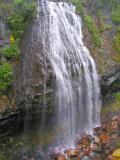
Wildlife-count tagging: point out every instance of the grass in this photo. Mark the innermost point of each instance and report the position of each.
(93, 30)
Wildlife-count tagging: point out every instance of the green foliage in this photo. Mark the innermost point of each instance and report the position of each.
(5, 9)
(20, 16)
(11, 51)
(93, 30)
(117, 42)
(101, 24)
(117, 96)
(117, 58)
(1, 8)
(103, 4)
(107, 26)
(113, 4)
(118, 29)
(78, 5)
(114, 106)
(6, 76)
(116, 15)
(17, 25)
(18, 1)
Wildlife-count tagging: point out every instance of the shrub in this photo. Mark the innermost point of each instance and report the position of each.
(93, 30)
(78, 5)
(19, 19)
(11, 51)
(17, 25)
(6, 76)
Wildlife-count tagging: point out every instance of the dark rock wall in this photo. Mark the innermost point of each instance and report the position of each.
(110, 84)
(11, 123)
(35, 78)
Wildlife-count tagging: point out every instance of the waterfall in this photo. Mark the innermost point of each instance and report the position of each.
(77, 88)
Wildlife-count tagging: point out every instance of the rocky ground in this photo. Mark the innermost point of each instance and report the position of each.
(103, 145)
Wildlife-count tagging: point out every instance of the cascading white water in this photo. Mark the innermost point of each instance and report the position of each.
(78, 93)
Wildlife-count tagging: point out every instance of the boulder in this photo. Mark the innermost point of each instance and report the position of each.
(110, 82)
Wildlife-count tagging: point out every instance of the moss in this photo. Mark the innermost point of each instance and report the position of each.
(117, 58)
(116, 15)
(107, 26)
(93, 30)
(78, 5)
(117, 96)
(101, 23)
(114, 106)
(3, 102)
(118, 29)
(116, 42)
(105, 110)
(117, 143)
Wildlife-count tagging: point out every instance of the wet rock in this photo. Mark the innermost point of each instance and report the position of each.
(1, 43)
(10, 123)
(101, 146)
(113, 134)
(59, 156)
(110, 82)
(86, 158)
(94, 147)
(72, 152)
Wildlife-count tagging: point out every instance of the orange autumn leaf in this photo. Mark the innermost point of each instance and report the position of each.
(104, 138)
(61, 157)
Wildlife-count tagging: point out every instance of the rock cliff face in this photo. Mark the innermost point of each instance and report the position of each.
(35, 80)
(110, 82)
(33, 72)
(4, 33)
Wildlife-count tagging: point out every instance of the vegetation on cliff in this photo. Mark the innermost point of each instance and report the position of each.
(11, 51)
(102, 20)
(17, 16)
(6, 77)
(93, 30)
